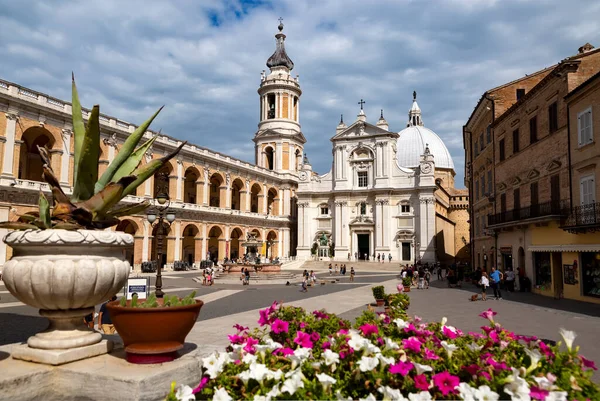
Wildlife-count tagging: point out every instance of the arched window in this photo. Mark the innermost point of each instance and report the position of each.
(363, 208)
(215, 190)
(30, 165)
(236, 187)
(269, 158)
(270, 106)
(189, 186)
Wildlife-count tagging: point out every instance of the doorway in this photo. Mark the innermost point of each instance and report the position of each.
(363, 246)
(406, 251)
(557, 277)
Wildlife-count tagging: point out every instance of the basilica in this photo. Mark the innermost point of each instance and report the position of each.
(388, 192)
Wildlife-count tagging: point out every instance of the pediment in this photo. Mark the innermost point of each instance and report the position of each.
(270, 133)
(361, 221)
(533, 174)
(516, 181)
(361, 129)
(554, 165)
(501, 186)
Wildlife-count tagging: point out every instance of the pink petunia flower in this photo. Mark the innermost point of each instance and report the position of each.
(446, 382)
(380, 341)
(412, 344)
(401, 368)
(429, 354)
(326, 345)
(302, 325)
(538, 393)
(320, 315)
(472, 369)
(487, 329)
(410, 327)
(421, 382)
(546, 350)
(239, 328)
(284, 351)
(488, 314)
(303, 339)
(494, 336)
(250, 343)
(417, 319)
(486, 375)
(314, 336)
(448, 332)
(235, 339)
(497, 365)
(264, 317)
(342, 331)
(368, 329)
(201, 385)
(280, 326)
(588, 363)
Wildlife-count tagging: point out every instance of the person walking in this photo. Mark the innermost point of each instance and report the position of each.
(390, 258)
(510, 280)
(439, 273)
(355, 256)
(313, 277)
(304, 285)
(352, 273)
(378, 257)
(427, 278)
(104, 320)
(330, 270)
(247, 276)
(496, 277)
(421, 274)
(484, 283)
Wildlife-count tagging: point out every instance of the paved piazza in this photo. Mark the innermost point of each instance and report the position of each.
(227, 304)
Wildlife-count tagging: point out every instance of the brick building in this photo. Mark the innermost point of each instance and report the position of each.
(530, 199)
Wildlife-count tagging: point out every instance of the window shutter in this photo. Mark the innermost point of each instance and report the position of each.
(588, 126)
(579, 131)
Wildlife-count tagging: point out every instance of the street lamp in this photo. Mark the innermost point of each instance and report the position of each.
(269, 248)
(158, 215)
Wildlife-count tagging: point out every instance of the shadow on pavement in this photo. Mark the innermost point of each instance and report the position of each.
(567, 305)
(18, 328)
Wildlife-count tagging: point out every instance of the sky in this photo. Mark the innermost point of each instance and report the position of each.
(203, 59)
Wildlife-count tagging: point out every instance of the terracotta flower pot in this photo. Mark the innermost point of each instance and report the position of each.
(380, 302)
(406, 289)
(153, 335)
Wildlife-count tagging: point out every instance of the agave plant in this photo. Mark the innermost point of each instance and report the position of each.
(93, 203)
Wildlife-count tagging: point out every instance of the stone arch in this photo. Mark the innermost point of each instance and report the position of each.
(273, 202)
(236, 239)
(215, 184)
(362, 152)
(269, 157)
(256, 192)
(189, 240)
(161, 180)
(129, 227)
(165, 243)
(30, 161)
(216, 243)
(272, 244)
(190, 185)
(237, 187)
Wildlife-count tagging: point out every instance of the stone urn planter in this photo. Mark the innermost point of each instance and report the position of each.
(65, 274)
(153, 335)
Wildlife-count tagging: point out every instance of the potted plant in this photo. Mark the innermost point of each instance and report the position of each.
(406, 282)
(379, 294)
(139, 325)
(64, 262)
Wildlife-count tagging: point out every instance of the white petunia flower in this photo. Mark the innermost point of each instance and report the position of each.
(244, 376)
(466, 392)
(444, 320)
(331, 358)
(258, 371)
(268, 341)
(391, 344)
(391, 394)
(422, 396)
(214, 364)
(517, 387)
(277, 375)
(400, 323)
(184, 393)
(535, 357)
(556, 396)
(367, 364)
(485, 393)
(325, 380)
(422, 368)
(221, 395)
(299, 356)
(569, 337)
(340, 397)
(356, 341)
(249, 359)
(260, 398)
(385, 360)
(450, 348)
(274, 392)
(371, 348)
(544, 383)
(475, 347)
(293, 383)
(370, 397)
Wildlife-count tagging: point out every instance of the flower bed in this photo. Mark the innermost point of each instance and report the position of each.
(301, 355)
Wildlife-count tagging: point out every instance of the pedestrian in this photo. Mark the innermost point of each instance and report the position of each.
(378, 257)
(330, 270)
(304, 284)
(427, 278)
(439, 273)
(348, 255)
(352, 273)
(404, 270)
(390, 258)
(204, 277)
(355, 256)
(89, 320)
(104, 320)
(336, 269)
(421, 279)
(313, 277)
(247, 274)
(510, 280)
(484, 283)
(496, 277)
(521, 274)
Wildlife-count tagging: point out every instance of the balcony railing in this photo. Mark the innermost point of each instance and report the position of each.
(583, 218)
(557, 208)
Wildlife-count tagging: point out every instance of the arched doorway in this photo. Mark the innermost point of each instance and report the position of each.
(30, 163)
(166, 231)
(190, 188)
(161, 180)
(235, 248)
(236, 197)
(272, 245)
(128, 227)
(215, 190)
(215, 234)
(255, 192)
(269, 157)
(189, 243)
(272, 204)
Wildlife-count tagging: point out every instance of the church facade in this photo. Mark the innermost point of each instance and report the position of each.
(374, 201)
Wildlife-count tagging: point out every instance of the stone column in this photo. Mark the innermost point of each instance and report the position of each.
(64, 161)
(280, 202)
(278, 162)
(286, 201)
(265, 198)
(198, 250)
(145, 245)
(179, 191)
(9, 146)
(173, 184)
(177, 253)
(199, 192)
(228, 191)
(150, 181)
(379, 225)
(248, 195)
(204, 242)
(206, 191)
(138, 245)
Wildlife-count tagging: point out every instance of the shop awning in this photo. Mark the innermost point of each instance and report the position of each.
(565, 248)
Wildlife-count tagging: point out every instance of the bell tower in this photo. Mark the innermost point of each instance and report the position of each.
(279, 143)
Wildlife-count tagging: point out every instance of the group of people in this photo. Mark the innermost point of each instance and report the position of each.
(208, 276)
(419, 275)
(380, 257)
(105, 323)
(509, 280)
(245, 276)
(493, 281)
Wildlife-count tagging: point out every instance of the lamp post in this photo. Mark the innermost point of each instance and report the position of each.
(269, 249)
(158, 215)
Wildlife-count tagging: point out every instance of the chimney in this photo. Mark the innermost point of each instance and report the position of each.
(585, 48)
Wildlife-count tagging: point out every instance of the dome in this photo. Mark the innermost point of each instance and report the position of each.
(280, 57)
(411, 145)
(414, 138)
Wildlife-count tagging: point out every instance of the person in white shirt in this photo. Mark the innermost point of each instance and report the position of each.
(510, 280)
(484, 283)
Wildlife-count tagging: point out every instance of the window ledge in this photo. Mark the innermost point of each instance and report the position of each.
(580, 147)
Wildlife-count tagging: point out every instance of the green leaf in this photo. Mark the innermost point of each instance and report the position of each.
(133, 161)
(87, 168)
(17, 225)
(126, 150)
(44, 208)
(129, 210)
(78, 126)
(110, 195)
(147, 170)
(57, 193)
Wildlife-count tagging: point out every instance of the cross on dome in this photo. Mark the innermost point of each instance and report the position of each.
(362, 102)
(414, 114)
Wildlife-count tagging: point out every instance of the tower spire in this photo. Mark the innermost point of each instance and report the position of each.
(280, 57)
(414, 114)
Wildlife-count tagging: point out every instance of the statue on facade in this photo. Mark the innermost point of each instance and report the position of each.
(323, 240)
